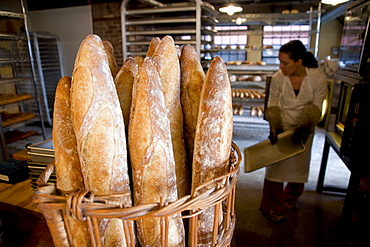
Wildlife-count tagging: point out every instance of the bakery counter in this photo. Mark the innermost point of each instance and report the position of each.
(15, 197)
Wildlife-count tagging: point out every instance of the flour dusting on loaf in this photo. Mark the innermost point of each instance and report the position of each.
(192, 77)
(152, 46)
(152, 156)
(167, 62)
(213, 138)
(67, 162)
(111, 59)
(98, 124)
(124, 82)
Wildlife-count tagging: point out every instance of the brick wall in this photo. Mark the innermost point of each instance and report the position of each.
(107, 24)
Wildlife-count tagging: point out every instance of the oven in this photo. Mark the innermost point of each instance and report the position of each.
(355, 44)
(353, 121)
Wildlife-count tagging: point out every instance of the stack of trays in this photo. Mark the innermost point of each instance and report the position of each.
(41, 154)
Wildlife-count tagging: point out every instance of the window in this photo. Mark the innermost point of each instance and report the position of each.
(276, 36)
(230, 39)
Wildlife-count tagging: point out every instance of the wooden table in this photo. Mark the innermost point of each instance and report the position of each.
(23, 223)
(15, 197)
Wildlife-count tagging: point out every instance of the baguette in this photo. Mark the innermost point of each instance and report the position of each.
(192, 77)
(151, 154)
(67, 163)
(99, 128)
(253, 111)
(167, 61)
(153, 46)
(111, 59)
(212, 139)
(124, 82)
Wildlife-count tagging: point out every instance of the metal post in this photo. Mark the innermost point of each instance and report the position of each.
(33, 68)
(318, 25)
(123, 29)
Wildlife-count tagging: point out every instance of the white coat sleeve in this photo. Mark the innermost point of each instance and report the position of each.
(320, 90)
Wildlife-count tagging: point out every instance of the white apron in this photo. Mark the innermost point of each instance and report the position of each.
(295, 169)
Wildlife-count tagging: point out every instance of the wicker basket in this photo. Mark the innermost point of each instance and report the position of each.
(83, 205)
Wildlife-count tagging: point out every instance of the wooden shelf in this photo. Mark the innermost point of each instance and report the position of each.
(16, 135)
(14, 118)
(8, 98)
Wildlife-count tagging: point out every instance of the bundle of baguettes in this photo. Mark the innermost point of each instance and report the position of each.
(156, 100)
(100, 132)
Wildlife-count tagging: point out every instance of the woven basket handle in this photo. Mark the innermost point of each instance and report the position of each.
(44, 177)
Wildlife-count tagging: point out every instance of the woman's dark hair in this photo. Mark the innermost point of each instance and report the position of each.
(296, 50)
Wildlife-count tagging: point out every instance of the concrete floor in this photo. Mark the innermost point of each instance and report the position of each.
(315, 223)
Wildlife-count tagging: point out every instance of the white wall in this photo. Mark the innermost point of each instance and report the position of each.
(330, 36)
(72, 25)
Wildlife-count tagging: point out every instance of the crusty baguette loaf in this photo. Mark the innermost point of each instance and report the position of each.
(67, 163)
(99, 128)
(151, 155)
(192, 77)
(111, 59)
(124, 82)
(153, 46)
(212, 139)
(167, 62)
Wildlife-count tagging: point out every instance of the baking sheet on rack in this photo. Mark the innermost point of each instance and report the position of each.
(41, 158)
(265, 154)
(44, 147)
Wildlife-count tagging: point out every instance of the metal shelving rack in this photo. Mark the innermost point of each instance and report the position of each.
(16, 58)
(48, 69)
(188, 23)
(311, 17)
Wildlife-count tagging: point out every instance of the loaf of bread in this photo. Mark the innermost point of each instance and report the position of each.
(212, 138)
(111, 59)
(152, 46)
(152, 157)
(124, 82)
(67, 163)
(167, 61)
(192, 77)
(100, 131)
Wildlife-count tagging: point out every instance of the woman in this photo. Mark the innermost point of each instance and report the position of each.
(297, 91)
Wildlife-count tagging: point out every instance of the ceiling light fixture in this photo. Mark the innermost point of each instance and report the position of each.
(333, 2)
(231, 8)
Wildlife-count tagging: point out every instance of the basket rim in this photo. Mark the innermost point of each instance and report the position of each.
(81, 203)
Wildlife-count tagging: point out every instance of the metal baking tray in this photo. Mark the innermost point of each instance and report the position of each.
(39, 164)
(44, 147)
(41, 158)
(265, 154)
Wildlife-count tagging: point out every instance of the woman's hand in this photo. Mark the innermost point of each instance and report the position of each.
(273, 115)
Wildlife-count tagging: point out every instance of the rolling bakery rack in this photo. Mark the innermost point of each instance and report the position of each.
(83, 205)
